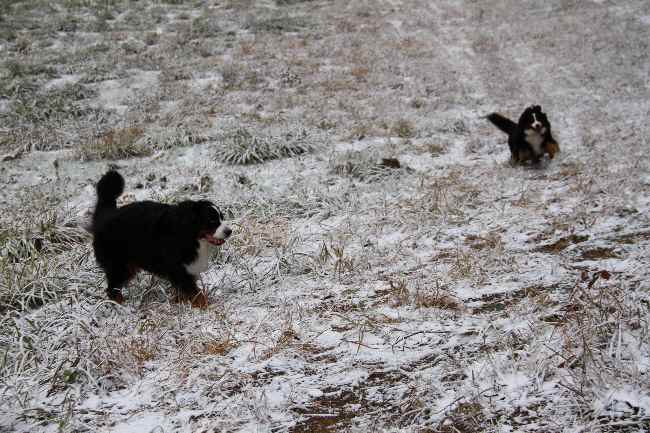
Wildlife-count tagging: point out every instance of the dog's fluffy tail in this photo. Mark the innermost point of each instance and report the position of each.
(109, 188)
(501, 122)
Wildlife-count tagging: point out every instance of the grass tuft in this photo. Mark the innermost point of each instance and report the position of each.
(242, 147)
(115, 144)
(404, 129)
(279, 25)
(364, 165)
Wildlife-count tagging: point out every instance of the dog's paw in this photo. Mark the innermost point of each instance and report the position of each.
(200, 300)
(116, 296)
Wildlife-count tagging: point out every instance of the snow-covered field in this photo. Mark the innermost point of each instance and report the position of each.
(454, 293)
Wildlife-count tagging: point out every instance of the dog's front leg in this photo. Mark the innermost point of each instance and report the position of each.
(187, 289)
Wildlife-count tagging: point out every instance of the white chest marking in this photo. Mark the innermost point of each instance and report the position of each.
(535, 139)
(200, 264)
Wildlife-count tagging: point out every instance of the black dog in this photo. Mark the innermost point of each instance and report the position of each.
(170, 241)
(529, 139)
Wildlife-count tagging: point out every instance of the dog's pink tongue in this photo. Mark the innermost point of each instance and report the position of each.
(213, 240)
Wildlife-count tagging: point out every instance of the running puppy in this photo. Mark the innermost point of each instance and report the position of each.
(529, 139)
(171, 241)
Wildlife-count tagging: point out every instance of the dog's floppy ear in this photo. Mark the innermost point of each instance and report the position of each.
(206, 209)
(199, 212)
(526, 114)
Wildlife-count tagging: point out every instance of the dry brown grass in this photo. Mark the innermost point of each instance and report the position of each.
(337, 85)
(437, 298)
(561, 244)
(464, 264)
(404, 129)
(115, 144)
(247, 48)
(593, 319)
(396, 294)
(360, 73)
(255, 234)
(142, 349)
(221, 347)
(490, 240)
(432, 147)
(467, 417)
(287, 337)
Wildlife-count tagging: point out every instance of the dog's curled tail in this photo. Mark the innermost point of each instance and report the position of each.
(109, 188)
(501, 122)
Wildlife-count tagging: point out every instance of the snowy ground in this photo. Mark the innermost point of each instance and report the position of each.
(455, 293)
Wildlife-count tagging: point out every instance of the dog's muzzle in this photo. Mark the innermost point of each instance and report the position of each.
(538, 127)
(219, 237)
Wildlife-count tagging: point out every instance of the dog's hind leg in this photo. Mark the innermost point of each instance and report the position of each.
(116, 276)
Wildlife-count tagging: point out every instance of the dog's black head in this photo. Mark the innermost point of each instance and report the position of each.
(208, 221)
(534, 119)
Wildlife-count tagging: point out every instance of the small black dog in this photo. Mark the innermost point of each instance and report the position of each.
(170, 241)
(529, 139)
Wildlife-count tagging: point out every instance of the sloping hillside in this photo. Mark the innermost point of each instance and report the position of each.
(389, 270)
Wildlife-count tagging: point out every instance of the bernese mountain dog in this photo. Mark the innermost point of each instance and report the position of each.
(530, 138)
(170, 241)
